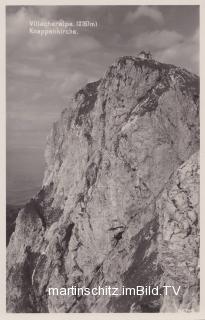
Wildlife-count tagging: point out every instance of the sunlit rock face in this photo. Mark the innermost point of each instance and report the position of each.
(119, 202)
(178, 211)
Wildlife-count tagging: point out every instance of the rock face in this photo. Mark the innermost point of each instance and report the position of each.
(119, 201)
(11, 215)
(178, 209)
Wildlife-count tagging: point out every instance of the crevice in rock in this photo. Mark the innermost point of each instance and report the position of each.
(91, 174)
(90, 97)
(33, 207)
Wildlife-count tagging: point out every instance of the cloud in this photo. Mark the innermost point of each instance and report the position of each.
(184, 53)
(170, 46)
(47, 11)
(21, 41)
(37, 43)
(22, 69)
(17, 28)
(70, 44)
(145, 11)
(74, 82)
(16, 25)
(81, 44)
(195, 36)
(16, 22)
(157, 39)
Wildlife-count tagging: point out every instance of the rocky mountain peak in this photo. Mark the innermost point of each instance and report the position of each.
(119, 191)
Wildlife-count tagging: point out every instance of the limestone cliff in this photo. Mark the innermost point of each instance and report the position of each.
(119, 201)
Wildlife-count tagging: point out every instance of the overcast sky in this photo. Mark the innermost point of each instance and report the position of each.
(44, 72)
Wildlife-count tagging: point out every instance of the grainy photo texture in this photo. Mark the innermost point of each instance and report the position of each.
(102, 159)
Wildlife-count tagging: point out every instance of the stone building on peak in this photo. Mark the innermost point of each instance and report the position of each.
(145, 55)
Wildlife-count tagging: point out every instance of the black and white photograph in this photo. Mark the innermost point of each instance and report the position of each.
(102, 158)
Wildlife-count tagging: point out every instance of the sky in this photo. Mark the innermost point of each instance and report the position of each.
(44, 72)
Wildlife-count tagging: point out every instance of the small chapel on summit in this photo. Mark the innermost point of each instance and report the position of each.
(145, 55)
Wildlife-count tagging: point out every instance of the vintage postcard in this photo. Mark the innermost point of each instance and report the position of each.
(102, 161)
